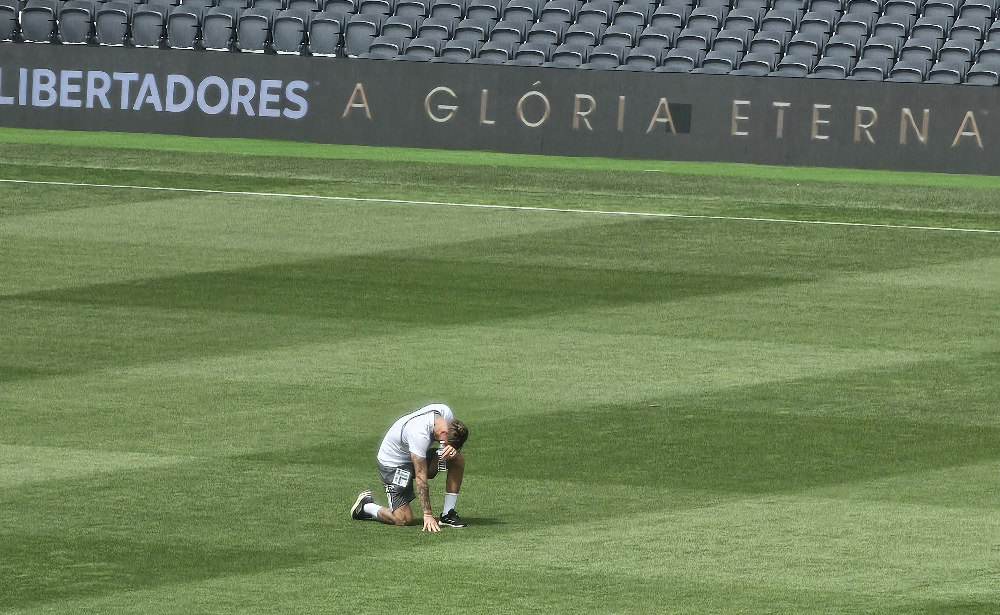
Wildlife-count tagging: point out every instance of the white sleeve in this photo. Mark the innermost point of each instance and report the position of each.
(441, 409)
(418, 443)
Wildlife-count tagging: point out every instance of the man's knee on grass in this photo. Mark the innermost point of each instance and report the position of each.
(402, 516)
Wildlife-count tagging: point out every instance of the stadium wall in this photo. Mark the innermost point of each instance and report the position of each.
(782, 121)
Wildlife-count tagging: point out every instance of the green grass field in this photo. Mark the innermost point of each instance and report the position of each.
(668, 414)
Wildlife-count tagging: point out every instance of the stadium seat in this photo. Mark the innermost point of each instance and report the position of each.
(881, 48)
(839, 67)
(523, 10)
(732, 40)
(413, 8)
(403, 26)
(438, 27)
(671, 16)
(597, 12)
(719, 62)
(770, 42)
(642, 59)
(359, 33)
(585, 34)
(979, 9)
(924, 49)
(632, 15)
(569, 56)
(422, 49)
(564, 11)
(548, 32)
(681, 60)
(386, 48)
(495, 52)
(253, 29)
(909, 71)
(844, 45)
(448, 9)
(112, 23)
(853, 24)
(219, 27)
(605, 57)
(184, 26)
(325, 31)
(658, 37)
(745, 20)
(509, 32)
(757, 63)
(989, 53)
(710, 18)
(955, 51)
(695, 38)
(344, 7)
(474, 29)
(947, 72)
(76, 22)
(485, 9)
(794, 66)
(621, 35)
(532, 54)
(981, 74)
(149, 25)
(806, 43)
(819, 21)
(289, 31)
(38, 21)
(376, 7)
(458, 52)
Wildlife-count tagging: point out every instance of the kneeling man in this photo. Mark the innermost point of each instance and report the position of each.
(406, 459)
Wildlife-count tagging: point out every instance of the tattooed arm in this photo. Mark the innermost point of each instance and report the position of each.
(424, 493)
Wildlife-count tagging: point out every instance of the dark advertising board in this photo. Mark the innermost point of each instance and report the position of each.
(660, 116)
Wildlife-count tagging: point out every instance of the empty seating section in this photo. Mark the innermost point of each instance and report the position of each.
(937, 41)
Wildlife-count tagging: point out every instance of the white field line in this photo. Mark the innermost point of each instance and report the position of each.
(509, 207)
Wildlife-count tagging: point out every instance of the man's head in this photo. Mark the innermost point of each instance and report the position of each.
(453, 432)
(458, 433)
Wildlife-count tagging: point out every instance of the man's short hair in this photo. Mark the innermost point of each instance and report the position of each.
(458, 433)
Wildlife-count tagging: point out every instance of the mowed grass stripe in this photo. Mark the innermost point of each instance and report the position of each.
(578, 184)
(512, 207)
(18, 139)
(32, 464)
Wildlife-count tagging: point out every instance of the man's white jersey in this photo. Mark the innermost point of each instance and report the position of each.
(411, 434)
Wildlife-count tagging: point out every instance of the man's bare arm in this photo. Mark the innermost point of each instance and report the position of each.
(424, 493)
(420, 480)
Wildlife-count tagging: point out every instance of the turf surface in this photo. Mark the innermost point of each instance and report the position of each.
(668, 415)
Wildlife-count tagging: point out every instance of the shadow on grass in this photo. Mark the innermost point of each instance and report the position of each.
(40, 569)
(846, 428)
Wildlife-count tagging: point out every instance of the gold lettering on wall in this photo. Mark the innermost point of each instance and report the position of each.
(862, 125)
(970, 118)
(780, 106)
(666, 119)
(906, 119)
(580, 114)
(358, 101)
(545, 115)
(737, 118)
(484, 99)
(816, 136)
(449, 108)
